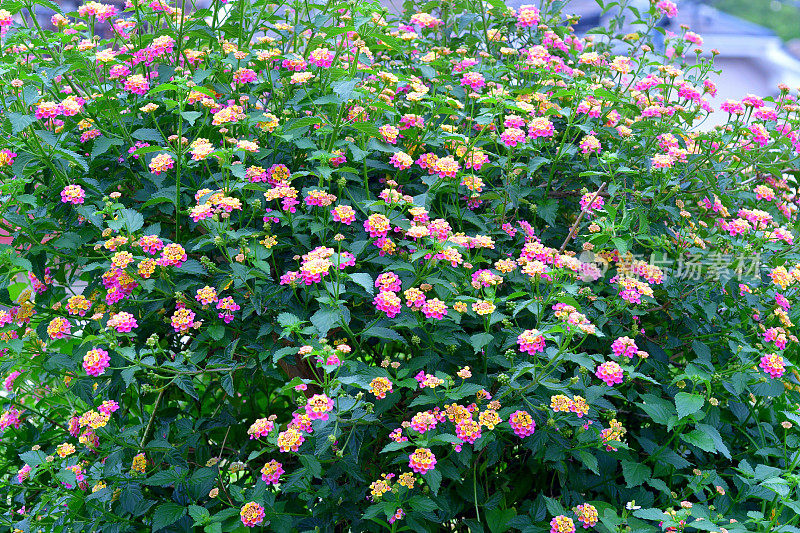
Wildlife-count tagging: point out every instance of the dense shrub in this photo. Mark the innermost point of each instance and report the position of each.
(311, 268)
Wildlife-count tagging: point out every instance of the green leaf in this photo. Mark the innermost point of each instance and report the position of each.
(102, 145)
(365, 280)
(33, 458)
(19, 121)
(498, 519)
(621, 245)
(423, 504)
(167, 514)
(345, 89)
(288, 320)
(700, 439)
(383, 333)
(133, 220)
(312, 465)
(394, 446)
(589, 461)
(659, 410)
(650, 514)
(325, 319)
(164, 478)
(434, 480)
(777, 485)
(191, 116)
(635, 473)
(719, 444)
(480, 341)
(200, 515)
(701, 349)
(688, 404)
(147, 134)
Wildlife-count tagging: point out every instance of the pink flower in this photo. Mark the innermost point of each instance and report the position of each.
(540, 127)
(10, 417)
(389, 133)
(401, 160)
(344, 214)
(108, 407)
(122, 322)
(388, 281)
(7, 158)
(319, 406)
(590, 144)
(511, 137)
(137, 84)
(667, 8)
(597, 203)
(260, 428)
(244, 75)
(47, 110)
(531, 341)
(95, 361)
(624, 346)
(23, 473)
(434, 308)
(474, 80)
(377, 225)
(422, 460)
(445, 167)
(610, 372)
(562, 524)
(522, 423)
(338, 158)
(161, 163)
(773, 365)
(9, 381)
(271, 473)
(321, 57)
(528, 16)
(388, 302)
(59, 328)
(182, 320)
(252, 514)
(227, 305)
(73, 194)
(398, 515)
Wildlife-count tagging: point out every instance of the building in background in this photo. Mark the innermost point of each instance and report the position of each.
(752, 58)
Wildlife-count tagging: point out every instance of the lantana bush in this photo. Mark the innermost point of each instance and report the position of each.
(319, 267)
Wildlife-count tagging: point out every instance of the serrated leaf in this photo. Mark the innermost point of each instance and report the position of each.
(19, 121)
(134, 220)
(383, 333)
(102, 145)
(345, 89)
(163, 478)
(700, 439)
(498, 519)
(635, 473)
(147, 134)
(688, 403)
(589, 461)
(434, 480)
(719, 444)
(325, 319)
(200, 515)
(365, 280)
(394, 446)
(287, 320)
(650, 514)
(167, 514)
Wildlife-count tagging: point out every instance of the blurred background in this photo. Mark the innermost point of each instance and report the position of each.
(758, 40)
